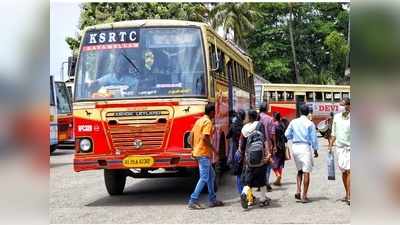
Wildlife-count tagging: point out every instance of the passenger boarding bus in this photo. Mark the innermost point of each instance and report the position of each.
(64, 116)
(286, 99)
(53, 117)
(139, 88)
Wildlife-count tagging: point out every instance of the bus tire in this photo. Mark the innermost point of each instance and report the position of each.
(53, 148)
(114, 181)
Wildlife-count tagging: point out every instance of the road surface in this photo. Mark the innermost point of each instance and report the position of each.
(82, 198)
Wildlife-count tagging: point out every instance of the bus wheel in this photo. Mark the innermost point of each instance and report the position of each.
(115, 181)
(53, 148)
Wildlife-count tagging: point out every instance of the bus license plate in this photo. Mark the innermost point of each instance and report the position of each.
(138, 161)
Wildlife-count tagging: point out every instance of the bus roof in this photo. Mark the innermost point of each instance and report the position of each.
(145, 23)
(305, 87)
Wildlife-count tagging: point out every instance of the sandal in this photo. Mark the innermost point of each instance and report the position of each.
(265, 202)
(305, 200)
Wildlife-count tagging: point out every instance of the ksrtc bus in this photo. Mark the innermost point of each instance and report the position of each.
(139, 88)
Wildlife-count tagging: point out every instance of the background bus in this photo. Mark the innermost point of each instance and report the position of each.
(53, 117)
(139, 88)
(64, 116)
(286, 98)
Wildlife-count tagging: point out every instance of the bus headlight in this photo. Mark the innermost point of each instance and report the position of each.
(186, 142)
(85, 145)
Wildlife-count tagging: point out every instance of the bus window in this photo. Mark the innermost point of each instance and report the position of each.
(328, 96)
(273, 96)
(345, 95)
(337, 96)
(221, 58)
(318, 96)
(289, 96)
(211, 50)
(281, 96)
(310, 96)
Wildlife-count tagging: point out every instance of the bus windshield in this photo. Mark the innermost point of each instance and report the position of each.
(63, 103)
(141, 62)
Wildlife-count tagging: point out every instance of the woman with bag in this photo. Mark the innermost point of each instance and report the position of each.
(280, 152)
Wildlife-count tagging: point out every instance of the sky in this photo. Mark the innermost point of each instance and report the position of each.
(64, 20)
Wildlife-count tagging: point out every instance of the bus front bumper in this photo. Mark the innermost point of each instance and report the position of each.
(167, 161)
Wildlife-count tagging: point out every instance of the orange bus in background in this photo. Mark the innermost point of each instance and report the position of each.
(139, 88)
(64, 116)
(286, 98)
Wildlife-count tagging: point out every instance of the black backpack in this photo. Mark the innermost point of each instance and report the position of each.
(255, 150)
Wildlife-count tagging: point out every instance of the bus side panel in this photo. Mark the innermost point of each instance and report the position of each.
(221, 116)
(241, 99)
(287, 110)
(183, 121)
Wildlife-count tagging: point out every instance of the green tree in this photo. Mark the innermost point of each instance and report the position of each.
(269, 43)
(236, 17)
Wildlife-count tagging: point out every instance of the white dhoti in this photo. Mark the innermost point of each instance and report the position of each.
(303, 157)
(343, 154)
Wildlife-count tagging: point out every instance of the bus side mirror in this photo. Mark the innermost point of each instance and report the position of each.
(71, 66)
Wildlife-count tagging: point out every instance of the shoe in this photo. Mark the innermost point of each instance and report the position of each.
(195, 206)
(243, 201)
(216, 203)
(269, 188)
(297, 196)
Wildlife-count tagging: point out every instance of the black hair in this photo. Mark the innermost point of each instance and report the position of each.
(304, 110)
(277, 116)
(252, 114)
(263, 106)
(241, 114)
(210, 107)
(346, 100)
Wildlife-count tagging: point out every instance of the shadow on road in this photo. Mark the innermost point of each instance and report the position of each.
(164, 191)
(62, 152)
(54, 165)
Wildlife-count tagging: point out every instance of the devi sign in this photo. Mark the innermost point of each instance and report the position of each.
(324, 108)
(110, 39)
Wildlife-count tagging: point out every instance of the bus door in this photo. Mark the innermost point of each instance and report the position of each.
(300, 100)
(53, 116)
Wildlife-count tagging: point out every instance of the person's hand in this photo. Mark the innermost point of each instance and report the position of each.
(315, 154)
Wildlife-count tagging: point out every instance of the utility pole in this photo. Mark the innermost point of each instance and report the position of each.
(290, 23)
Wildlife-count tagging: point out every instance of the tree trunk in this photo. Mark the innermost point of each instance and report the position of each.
(290, 23)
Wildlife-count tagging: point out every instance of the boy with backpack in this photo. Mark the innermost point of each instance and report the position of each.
(254, 157)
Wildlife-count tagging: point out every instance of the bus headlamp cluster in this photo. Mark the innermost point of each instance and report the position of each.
(85, 145)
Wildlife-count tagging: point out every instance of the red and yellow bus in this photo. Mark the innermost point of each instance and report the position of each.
(64, 116)
(140, 86)
(286, 98)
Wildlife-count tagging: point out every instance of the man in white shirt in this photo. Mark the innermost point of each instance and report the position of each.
(341, 133)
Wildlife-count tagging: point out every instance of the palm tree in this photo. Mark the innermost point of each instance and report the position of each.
(236, 17)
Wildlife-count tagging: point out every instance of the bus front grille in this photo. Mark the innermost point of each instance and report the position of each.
(133, 133)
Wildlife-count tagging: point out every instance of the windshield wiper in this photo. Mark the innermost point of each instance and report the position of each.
(123, 53)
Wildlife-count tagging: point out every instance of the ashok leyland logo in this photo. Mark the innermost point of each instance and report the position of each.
(137, 143)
